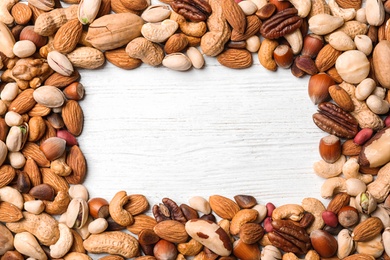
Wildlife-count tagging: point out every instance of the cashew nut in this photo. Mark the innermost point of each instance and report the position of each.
(329, 170)
(12, 196)
(117, 212)
(315, 207)
(295, 40)
(147, 51)
(63, 244)
(288, 211)
(241, 217)
(386, 240)
(265, 54)
(5, 15)
(351, 170)
(333, 186)
(303, 7)
(59, 205)
(194, 29)
(26, 244)
(346, 13)
(159, 32)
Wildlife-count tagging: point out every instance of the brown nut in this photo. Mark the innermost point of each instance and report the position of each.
(348, 216)
(98, 208)
(324, 243)
(330, 148)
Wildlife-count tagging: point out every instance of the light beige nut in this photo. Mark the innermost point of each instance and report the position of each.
(315, 207)
(365, 88)
(386, 240)
(196, 57)
(78, 191)
(375, 12)
(7, 41)
(156, 13)
(16, 159)
(177, 61)
(345, 244)
(341, 41)
(253, 43)
(117, 212)
(26, 244)
(49, 96)
(363, 43)
(355, 186)
(63, 244)
(351, 170)
(353, 66)
(98, 226)
(13, 119)
(210, 235)
(262, 212)
(381, 212)
(147, 51)
(248, 7)
(373, 247)
(112, 242)
(303, 7)
(88, 10)
(332, 186)
(16, 138)
(294, 212)
(270, 252)
(86, 58)
(295, 40)
(346, 13)
(77, 213)
(159, 32)
(11, 195)
(377, 105)
(200, 204)
(43, 226)
(34, 206)
(6, 240)
(329, 170)
(322, 24)
(24, 48)
(9, 92)
(59, 63)
(44, 5)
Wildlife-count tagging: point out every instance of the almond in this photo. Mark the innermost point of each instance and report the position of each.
(141, 222)
(73, 117)
(234, 15)
(172, 231)
(57, 182)
(235, 58)
(135, 5)
(31, 150)
(7, 174)
(39, 110)
(23, 102)
(253, 24)
(9, 212)
(223, 207)
(176, 43)
(367, 230)
(67, 37)
(58, 80)
(32, 170)
(356, 4)
(326, 58)
(251, 233)
(22, 13)
(36, 129)
(341, 97)
(119, 58)
(339, 200)
(76, 161)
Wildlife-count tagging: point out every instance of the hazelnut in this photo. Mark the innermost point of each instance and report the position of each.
(98, 208)
(312, 44)
(74, 91)
(348, 216)
(283, 56)
(164, 250)
(53, 148)
(318, 87)
(324, 243)
(28, 33)
(246, 251)
(266, 11)
(330, 148)
(280, 5)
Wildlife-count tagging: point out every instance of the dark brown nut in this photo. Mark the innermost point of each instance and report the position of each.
(266, 11)
(236, 45)
(23, 182)
(174, 209)
(113, 226)
(324, 243)
(253, 24)
(306, 220)
(334, 120)
(281, 23)
(306, 64)
(333, 230)
(188, 212)
(193, 10)
(148, 237)
(245, 201)
(289, 237)
(43, 192)
(209, 217)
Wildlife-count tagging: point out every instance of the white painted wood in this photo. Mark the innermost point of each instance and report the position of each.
(216, 130)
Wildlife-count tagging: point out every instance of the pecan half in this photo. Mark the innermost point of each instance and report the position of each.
(168, 209)
(334, 120)
(194, 10)
(281, 23)
(289, 237)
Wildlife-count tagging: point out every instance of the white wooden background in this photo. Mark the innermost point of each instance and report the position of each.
(164, 133)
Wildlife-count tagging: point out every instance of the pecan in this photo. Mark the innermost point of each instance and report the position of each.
(168, 209)
(289, 237)
(306, 220)
(281, 23)
(194, 10)
(334, 120)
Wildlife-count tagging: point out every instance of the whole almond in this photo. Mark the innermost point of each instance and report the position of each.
(58, 80)
(32, 170)
(142, 222)
(367, 230)
(76, 161)
(176, 43)
(22, 13)
(235, 58)
(119, 58)
(23, 102)
(326, 58)
(57, 182)
(67, 37)
(31, 150)
(223, 207)
(234, 15)
(339, 200)
(9, 212)
(37, 128)
(172, 231)
(7, 174)
(73, 117)
(341, 97)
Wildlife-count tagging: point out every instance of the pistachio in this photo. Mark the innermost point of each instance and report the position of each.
(77, 213)
(16, 137)
(365, 203)
(156, 13)
(60, 63)
(3, 152)
(49, 96)
(88, 10)
(9, 92)
(7, 41)
(177, 61)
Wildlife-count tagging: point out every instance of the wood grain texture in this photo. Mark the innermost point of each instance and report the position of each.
(216, 130)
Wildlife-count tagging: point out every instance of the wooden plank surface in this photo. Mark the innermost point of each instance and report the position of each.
(216, 130)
